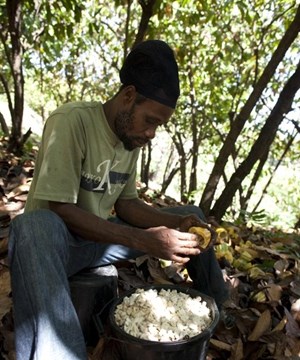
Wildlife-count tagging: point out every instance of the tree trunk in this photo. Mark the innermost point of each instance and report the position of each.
(171, 170)
(167, 180)
(264, 141)
(3, 124)
(145, 164)
(147, 7)
(195, 136)
(242, 117)
(128, 11)
(183, 187)
(178, 142)
(256, 176)
(15, 143)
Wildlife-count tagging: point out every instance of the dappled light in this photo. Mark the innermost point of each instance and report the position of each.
(231, 148)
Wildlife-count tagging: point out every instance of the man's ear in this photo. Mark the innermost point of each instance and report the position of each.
(129, 94)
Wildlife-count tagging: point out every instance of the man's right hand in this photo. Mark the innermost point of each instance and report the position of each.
(170, 244)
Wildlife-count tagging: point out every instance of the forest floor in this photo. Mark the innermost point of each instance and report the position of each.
(260, 265)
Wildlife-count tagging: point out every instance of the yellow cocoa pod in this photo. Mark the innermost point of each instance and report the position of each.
(204, 235)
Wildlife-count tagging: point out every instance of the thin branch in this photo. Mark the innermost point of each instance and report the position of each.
(3, 124)
(8, 96)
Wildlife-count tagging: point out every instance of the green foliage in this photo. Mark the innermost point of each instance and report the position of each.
(76, 54)
(253, 218)
(74, 50)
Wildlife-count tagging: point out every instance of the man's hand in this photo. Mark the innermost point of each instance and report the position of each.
(170, 244)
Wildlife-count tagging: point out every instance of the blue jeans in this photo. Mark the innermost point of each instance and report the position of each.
(43, 254)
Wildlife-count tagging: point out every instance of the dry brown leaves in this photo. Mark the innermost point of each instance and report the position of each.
(261, 267)
(263, 272)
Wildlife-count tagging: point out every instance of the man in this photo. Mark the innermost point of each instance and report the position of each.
(87, 165)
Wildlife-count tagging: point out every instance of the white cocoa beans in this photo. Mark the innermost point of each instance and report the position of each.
(162, 315)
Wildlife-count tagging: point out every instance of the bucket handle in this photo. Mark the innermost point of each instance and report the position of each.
(97, 318)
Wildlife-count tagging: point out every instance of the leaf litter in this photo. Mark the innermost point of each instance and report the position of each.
(261, 318)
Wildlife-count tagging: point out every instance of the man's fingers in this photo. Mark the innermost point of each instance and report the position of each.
(192, 251)
(188, 250)
(184, 255)
(189, 240)
(179, 259)
(190, 243)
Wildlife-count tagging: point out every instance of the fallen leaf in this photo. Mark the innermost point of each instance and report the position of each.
(281, 325)
(285, 239)
(281, 266)
(263, 324)
(220, 345)
(5, 289)
(295, 287)
(256, 273)
(292, 328)
(21, 189)
(237, 352)
(274, 292)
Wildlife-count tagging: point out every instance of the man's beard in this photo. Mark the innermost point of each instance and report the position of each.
(123, 124)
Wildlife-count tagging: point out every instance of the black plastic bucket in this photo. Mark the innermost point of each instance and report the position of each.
(92, 292)
(195, 348)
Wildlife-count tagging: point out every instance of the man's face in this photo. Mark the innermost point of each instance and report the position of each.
(137, 125)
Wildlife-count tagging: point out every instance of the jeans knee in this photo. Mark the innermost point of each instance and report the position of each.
(193, 209)
(40, 227)
(186, 210)
(35, 221)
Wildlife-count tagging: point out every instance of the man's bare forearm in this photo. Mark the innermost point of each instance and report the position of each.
(155, 239)
(137, 213)
(93, 228)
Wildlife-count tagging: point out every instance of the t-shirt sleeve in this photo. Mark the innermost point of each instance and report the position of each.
(63, 153)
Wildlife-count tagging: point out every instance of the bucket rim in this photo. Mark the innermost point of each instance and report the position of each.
(205, 334)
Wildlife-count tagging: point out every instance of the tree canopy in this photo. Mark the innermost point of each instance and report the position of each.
(237, 121)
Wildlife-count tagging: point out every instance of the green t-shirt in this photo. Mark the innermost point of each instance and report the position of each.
(81, 161)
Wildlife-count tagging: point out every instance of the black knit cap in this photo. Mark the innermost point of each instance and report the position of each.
(151, 67)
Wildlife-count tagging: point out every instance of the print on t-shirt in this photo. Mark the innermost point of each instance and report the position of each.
(104, 179)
